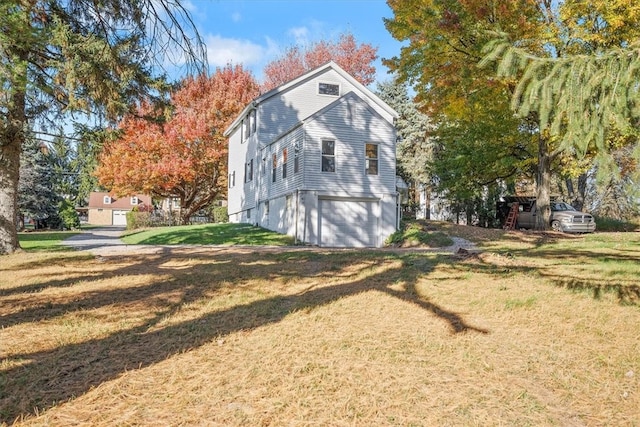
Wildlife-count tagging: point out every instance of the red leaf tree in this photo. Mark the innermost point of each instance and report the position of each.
(356, 60)
(185, 154)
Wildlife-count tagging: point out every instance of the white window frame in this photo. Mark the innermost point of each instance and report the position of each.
(297, 149)
(134, 200)
(368, 160)
(106, 200)
(327, 84)
(285, 155)
(274, 167)
(323, 155)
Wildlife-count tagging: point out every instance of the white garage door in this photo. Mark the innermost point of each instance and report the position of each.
(119, 218)
(348, 223)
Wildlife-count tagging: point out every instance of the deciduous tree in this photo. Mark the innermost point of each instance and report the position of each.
(184, 154)
(445, 44)
(445, 40)
(356, 59)
(58, 57)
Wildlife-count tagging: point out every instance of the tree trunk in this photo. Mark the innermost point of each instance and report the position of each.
(543, 186)
(12, 137)
(427, 201)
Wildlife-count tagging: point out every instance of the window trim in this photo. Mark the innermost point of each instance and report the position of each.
(134, 200)
(328, 156)
(297, 148)
(284, 162)
(326, 85)
(106, 200)
(274, 167)
(368, 160)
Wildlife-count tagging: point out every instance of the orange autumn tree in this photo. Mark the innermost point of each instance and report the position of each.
(183, 152)
(356, 60)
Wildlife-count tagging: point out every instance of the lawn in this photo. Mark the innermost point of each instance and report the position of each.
(44, 240)
(535, 329)
(211, 234)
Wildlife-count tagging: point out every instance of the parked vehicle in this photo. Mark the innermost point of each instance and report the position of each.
(564, 218)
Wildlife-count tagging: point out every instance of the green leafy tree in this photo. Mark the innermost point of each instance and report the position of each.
(445, 44)
(59, 57)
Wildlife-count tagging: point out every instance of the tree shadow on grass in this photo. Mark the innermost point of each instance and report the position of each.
(59, 374)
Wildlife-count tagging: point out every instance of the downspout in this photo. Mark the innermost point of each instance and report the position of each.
(398, 211)
(295, 240)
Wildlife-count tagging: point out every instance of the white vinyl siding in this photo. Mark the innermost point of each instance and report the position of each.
(352, 125)
(281, 112)
(348, 207)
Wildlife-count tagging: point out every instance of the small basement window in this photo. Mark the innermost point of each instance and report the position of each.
(329, 89)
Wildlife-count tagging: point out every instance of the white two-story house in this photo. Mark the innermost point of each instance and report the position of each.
(316, 159)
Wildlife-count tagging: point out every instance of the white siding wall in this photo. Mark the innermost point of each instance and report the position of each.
(351, 124)
(241, 194)
(281, 112)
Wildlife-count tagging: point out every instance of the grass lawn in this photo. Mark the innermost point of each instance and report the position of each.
(207, 234)
(536, 329)
(44, 240)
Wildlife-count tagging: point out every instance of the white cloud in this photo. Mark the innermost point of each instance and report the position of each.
(221, 51)
(300, 35)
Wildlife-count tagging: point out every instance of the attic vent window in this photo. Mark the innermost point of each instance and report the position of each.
(106, 200)
(328, 89)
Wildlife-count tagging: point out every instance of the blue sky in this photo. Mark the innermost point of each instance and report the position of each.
(254, 32)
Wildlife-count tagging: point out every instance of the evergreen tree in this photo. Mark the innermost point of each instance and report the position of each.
(63, 162)
(60, 57)
(37, 198)
(415, 149)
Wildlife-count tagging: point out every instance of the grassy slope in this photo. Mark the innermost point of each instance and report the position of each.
(538, 329)
(211, 234)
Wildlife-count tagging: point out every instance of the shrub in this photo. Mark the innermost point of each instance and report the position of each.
(220, 214)
(610, 224)
(416, 234)
(136, 219)
(68, 216)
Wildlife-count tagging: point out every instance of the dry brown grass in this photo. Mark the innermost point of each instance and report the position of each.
(528, 332)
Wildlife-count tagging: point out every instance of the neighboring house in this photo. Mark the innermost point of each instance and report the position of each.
(105, 209)
(316, 159)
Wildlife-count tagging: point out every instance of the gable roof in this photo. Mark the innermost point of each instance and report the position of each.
(307, 76)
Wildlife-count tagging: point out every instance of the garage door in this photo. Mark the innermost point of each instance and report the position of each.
(119, 218)
(348, 223)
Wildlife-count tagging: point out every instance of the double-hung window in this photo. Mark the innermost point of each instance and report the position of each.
(274, 167)
(284, 163)
(371, 159)
(248, 171)
(328, 155)
(296, 157)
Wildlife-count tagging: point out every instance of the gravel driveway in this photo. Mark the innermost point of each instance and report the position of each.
(106, 241)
